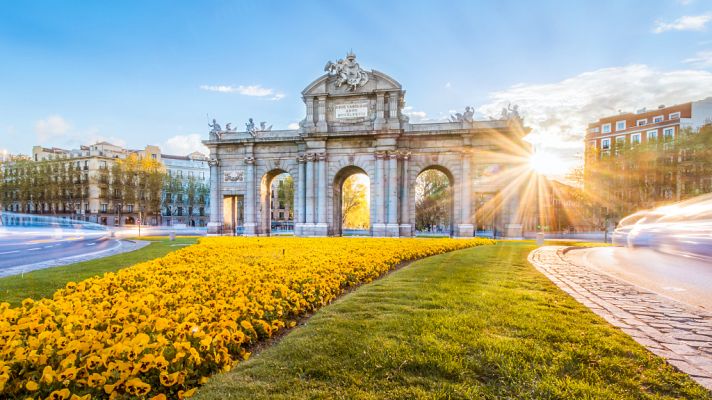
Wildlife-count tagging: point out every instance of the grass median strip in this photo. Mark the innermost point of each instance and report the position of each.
(475, 323)
(44, 282)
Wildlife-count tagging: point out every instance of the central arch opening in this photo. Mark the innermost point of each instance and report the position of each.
(434, 203)
(277, 203)
(352, 202)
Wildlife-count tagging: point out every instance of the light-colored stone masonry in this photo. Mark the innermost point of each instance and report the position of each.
(355, 122)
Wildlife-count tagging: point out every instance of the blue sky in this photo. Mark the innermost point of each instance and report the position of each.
(136, 72)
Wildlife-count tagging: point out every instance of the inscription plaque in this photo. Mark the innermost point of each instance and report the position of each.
(351, 110)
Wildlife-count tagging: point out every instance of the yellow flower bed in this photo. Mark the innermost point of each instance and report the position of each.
(160, 328)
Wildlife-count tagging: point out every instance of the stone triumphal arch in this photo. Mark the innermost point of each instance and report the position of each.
(355, 123)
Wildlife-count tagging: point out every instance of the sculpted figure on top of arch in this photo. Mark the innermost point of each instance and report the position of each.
(347, 72)
(468, 116)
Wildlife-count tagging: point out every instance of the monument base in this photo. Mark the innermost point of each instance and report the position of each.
(214, 228)
(406, 230)
(309, 229)
(513, 231)
(392, 230)
(250, 229)
(379, 230)
(464, 230)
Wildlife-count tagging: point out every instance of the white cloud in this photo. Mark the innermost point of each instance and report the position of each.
(293, 125)
(559, 112)
(182, 145)
(703, 59)
(685, 23)
(250, 90)
(415, 116)
(448, 85)
(54, 126)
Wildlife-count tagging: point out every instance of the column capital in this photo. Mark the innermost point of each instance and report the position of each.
(213, 162)
(404, 155)
(310, 157)
(302, 159)
(380, 154)
(249, 160)
(320, 156)
(393, 155)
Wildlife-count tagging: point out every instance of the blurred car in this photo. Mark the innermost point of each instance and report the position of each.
(683, 228)
(642, 233)
(620, 234)
(687, 229)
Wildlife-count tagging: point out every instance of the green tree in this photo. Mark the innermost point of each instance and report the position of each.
(433, 201)
(354, 206)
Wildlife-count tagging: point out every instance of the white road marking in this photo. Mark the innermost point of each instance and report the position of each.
(10, 252)
(91, 244)
(34, 249)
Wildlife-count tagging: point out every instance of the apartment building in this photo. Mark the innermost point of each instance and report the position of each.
(640, 160)
(83, 184)
(187, 190)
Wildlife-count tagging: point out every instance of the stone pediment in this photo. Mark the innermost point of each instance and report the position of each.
(327, 85)
(348, 98)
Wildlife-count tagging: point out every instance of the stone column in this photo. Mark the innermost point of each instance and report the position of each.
(393, 107)
(465, 228)
(299, 216)
(513, 227)
(321, 123)
(309, 197)
(392, 228)
(380, 111)
(250, 225)
(379, 226)
(405, 225)
(310, 112)
(215, 217)
(321, 228)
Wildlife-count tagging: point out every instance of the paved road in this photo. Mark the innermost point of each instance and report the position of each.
(25, 250)
(682, 279)
(675, 331)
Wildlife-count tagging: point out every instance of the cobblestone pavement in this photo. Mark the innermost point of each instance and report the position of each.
(124, 247)
(680, 334)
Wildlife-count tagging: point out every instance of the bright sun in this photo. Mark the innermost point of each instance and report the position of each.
(546, 163)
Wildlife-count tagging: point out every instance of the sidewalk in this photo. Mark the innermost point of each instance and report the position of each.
(678, 333)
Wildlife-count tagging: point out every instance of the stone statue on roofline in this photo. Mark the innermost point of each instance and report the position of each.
(215, 131)
(250, 127)
(510, 112)
(347, 72)
(468, 116)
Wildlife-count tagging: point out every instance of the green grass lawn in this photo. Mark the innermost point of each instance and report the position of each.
(43, 283)
(476, 323)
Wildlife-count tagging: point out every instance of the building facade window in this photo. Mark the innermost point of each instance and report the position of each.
(104, 207)
(675, 115)
(635, 138)
(606, 128)
(129, 208)
(642, 122)
(669, 134)
(657, 119)
(653, 135)
(606, 144)
(620, 125)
